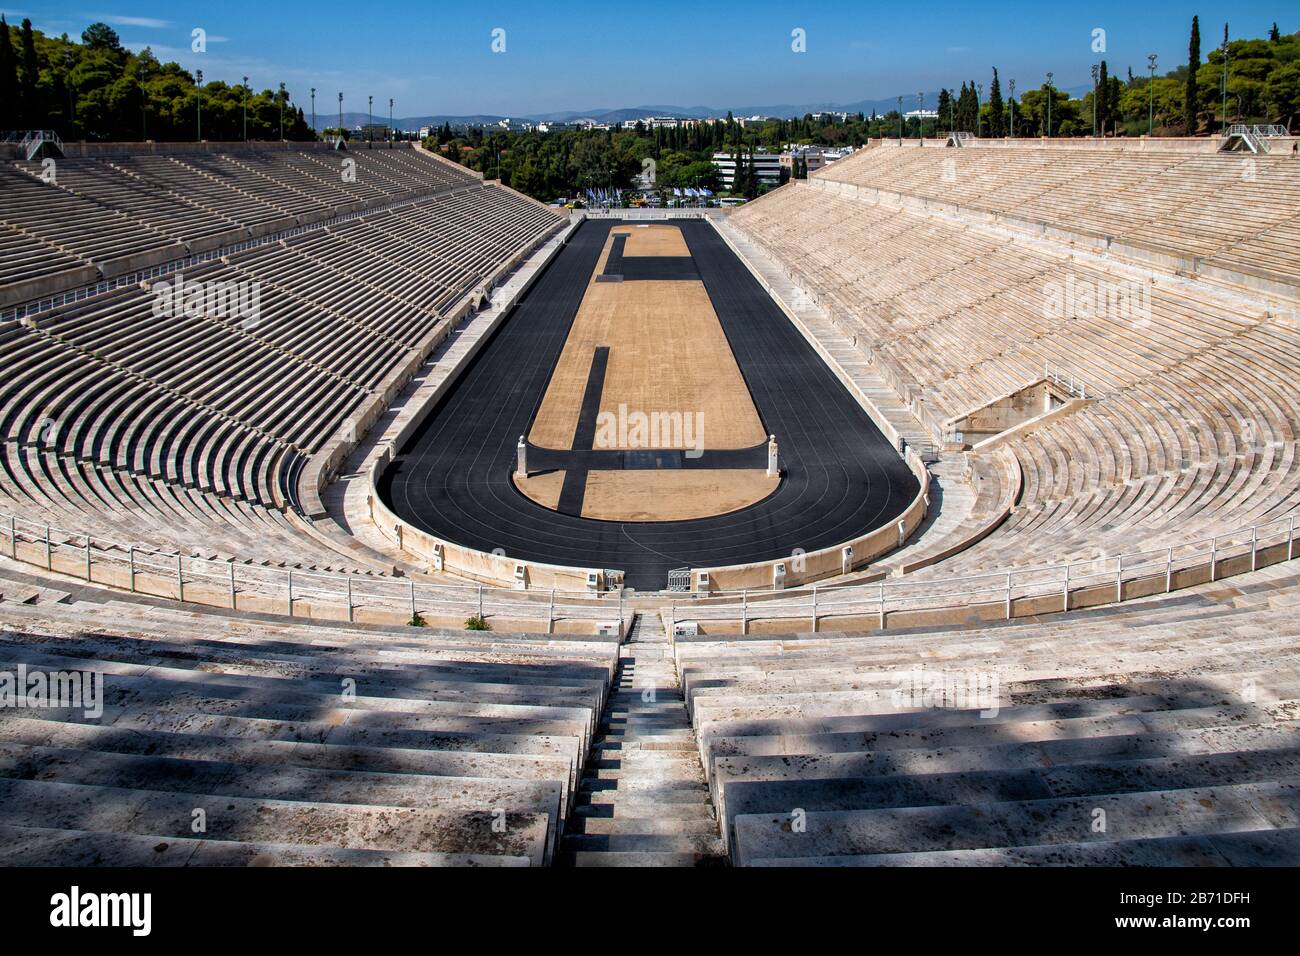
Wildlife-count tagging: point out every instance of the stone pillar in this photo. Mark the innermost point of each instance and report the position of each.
(521, 463)
(773, 458)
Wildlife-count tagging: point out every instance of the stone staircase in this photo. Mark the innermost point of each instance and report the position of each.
(25, 592)
(642, 800)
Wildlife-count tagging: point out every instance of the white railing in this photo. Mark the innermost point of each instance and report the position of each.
(1008, 594)
(289, 591)
(1002, 594)
(33, 139)
(653, 215)
(1066, 381)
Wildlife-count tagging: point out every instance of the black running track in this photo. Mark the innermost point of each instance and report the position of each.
(841, 477)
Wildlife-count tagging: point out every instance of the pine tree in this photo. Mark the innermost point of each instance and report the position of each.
(996, 125)
(1193, 66)
(9, 113)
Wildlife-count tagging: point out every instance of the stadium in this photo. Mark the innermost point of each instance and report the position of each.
(936, 507)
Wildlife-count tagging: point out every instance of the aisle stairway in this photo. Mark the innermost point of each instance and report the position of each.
(642, 800)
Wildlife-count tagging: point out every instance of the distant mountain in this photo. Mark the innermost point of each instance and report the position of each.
(631, 114)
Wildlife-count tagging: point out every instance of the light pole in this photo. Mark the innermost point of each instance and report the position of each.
(1049, 105)
(1151, 95)
(920, 120)
(340, 129)
(69, 59)
(313, 113)
(245, 109)
(1012, 108)
(900, 121)
(370, 123)
(198, 88)
(1094, 99)
(283, 96)
(390, 119)
(979, 117)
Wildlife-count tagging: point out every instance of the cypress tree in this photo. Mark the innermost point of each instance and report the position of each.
(8, 79)
(944, 109)
(1273, 35)
(32, 113)
(996, 125)
(1193, 65)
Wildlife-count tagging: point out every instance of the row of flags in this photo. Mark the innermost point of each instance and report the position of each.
(601, 197)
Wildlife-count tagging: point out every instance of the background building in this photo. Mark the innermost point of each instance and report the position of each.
(767, 165)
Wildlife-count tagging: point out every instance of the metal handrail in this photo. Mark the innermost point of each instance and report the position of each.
(1257, 129)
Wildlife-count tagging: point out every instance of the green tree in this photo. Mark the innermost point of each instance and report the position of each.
(1283, 94)
(100, 36)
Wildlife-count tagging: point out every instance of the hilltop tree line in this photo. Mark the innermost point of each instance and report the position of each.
(1263, 86)
(98, 90)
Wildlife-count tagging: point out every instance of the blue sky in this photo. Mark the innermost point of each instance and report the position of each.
(436, 57)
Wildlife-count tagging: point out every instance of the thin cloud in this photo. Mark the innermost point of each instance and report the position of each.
(119, 20)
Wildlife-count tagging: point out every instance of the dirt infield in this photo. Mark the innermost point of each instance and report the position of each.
(543, 488)
(672, 495)
(656, 494)
(653, 239)
(667, 354)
